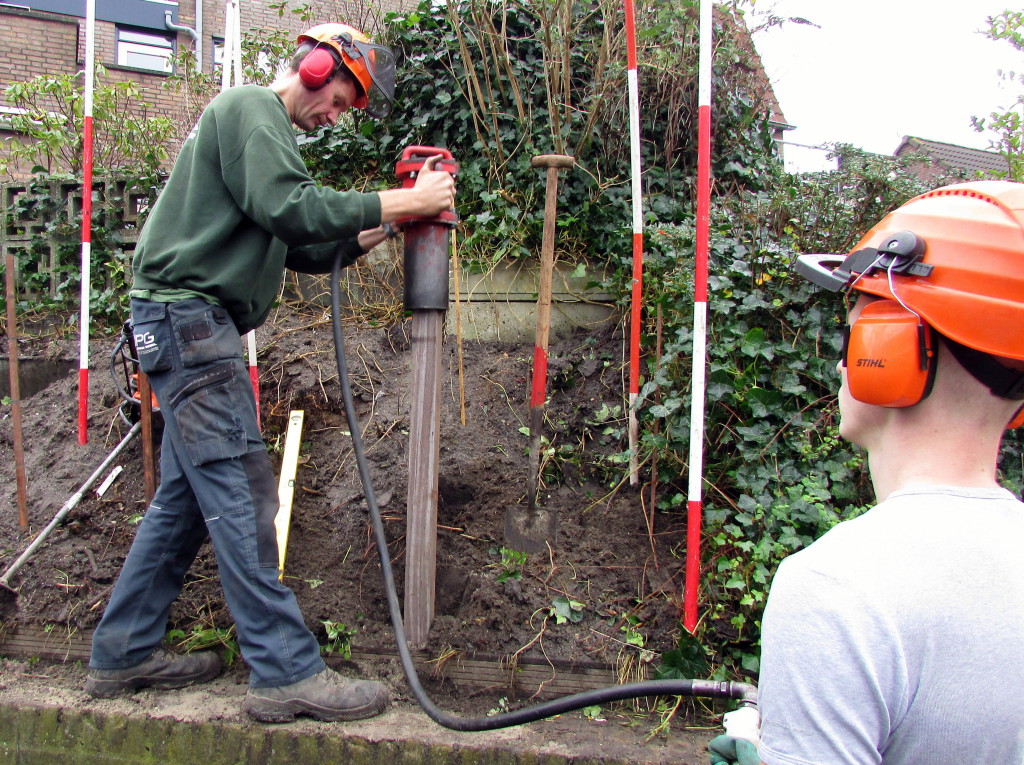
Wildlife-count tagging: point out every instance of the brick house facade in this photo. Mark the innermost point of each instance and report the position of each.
(136, 39)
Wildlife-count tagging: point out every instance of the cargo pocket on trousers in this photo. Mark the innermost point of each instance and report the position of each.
(204, 333)
(209, 413)
(149, 337)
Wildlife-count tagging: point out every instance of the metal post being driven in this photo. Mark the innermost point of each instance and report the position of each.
(426, 296)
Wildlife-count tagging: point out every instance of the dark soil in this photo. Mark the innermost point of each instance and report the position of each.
(624, 575)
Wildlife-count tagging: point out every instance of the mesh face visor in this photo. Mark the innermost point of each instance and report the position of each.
(821, 270)
(379, 62)
(900, 254)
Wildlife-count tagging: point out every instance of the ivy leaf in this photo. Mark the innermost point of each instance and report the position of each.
(736, 583)
(763, 402)
(566, 610)
(688, 661)
(755, 344)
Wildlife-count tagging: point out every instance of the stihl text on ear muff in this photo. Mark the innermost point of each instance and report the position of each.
(318, 67)
(889, 355)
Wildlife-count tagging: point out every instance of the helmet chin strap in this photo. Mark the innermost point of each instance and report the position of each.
(1001, 380)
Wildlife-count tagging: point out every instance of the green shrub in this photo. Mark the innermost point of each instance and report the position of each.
(497, 83)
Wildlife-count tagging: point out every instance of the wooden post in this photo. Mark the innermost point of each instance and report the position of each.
(424, 464)
(12, 358)
(146, 420)
(425, 252)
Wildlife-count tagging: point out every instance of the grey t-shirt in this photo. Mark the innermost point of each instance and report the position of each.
(898, 637)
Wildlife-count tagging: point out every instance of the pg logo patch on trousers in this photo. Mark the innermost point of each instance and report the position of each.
(145, 342)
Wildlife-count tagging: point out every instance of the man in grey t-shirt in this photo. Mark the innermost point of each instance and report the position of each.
(898, 637)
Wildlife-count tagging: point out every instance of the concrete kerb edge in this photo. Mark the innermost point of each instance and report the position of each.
(42, 734)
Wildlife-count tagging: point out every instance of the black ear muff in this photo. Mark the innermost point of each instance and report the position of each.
(317, 68)
(889, 356)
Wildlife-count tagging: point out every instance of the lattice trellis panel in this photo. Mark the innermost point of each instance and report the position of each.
(43, 250)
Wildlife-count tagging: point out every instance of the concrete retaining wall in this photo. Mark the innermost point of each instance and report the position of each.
(497, 305)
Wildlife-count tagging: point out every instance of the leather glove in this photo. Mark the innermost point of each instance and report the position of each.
(729, 750)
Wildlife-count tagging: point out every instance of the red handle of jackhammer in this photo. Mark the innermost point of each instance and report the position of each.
(413, 159)
(425, 152)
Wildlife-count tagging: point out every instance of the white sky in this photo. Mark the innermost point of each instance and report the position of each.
(873, 71)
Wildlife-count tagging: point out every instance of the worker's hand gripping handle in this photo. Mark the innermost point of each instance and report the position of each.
(412, 162)
(744, 722)
(742, 736)
(413, 159)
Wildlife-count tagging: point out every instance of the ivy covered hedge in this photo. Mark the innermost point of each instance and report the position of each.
(777, 476)
(497, 83)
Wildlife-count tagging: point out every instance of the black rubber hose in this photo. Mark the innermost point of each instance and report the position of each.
(130, 405)
(706, 688)
(114, 354)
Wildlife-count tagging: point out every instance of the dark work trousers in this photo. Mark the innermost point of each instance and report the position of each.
(216, 480)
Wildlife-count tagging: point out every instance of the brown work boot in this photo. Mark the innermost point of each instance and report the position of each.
(163, 669)
(325, 696)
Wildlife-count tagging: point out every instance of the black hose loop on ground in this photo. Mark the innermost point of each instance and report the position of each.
(705, 688)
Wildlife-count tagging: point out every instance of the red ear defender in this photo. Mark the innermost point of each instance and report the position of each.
(317, 68)
(889, 356)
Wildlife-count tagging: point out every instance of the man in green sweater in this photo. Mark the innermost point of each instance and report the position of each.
(238, 209)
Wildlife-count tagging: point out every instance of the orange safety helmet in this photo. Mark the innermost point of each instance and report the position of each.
(372, 66)
(953, 260)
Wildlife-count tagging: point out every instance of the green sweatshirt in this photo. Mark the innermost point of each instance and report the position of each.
(239, 208)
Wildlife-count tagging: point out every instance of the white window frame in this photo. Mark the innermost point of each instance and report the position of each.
(217, 53)
(144, 50)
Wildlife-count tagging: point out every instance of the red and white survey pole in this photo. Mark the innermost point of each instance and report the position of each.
(231, 65)
(232, 55)
(636, 301)
(83, 323)
(700, 320)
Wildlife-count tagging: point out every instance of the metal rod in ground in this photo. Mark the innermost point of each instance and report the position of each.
(458, 329)
(68, 506)
(12, 358)
(424, 456)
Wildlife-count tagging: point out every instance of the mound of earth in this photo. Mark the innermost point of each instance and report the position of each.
(608, 590)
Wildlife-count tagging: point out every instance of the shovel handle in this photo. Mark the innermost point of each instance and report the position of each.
(547, 265)
(538, 390)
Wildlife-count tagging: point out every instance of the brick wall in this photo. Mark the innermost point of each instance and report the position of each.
(34, 43)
